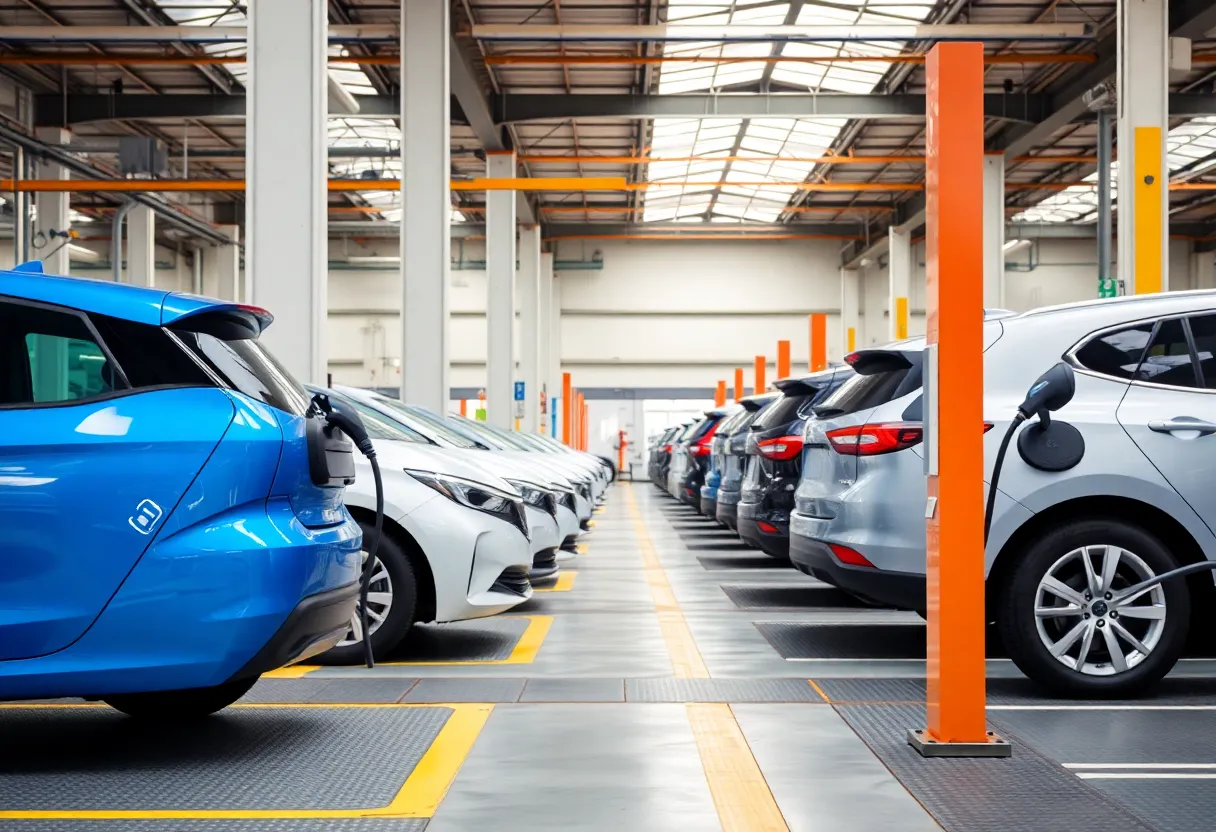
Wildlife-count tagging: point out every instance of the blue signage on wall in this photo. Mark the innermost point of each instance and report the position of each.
(519, 391)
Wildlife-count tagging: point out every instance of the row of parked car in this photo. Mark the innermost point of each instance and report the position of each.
(179, 515)
(828, 472)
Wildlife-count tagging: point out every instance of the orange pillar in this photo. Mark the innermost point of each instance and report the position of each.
(586, 425)
(464, 407)
(783, 359)
(567, 410)
(738, 383)
(720, 394)
(954, 538)
(582, 422)
(761, 366)
(819, 342)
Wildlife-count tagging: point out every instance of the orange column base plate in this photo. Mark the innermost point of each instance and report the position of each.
(923, 742)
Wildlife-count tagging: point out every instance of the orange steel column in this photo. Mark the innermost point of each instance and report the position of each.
(720, 394)
(783, 359)
(464, 407)
(582, 423)
(738, 383)
(819, 342)
(761, 366)
(955, 369)
(567, 410)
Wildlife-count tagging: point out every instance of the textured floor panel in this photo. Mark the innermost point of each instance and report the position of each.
(1026, 792)
(796, 640)
(361, 691)
(725, 546)
(1012, 692)
(789, 597)
(1170, 805)
(719, 690)
(574, 690)
(1173, 737)
(244, 758)
(275, 825)
(466, 690)
(486, 639)
(757, 561)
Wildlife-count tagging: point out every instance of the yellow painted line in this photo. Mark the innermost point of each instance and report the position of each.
(293, 671)
(742, 797)
(418, 797)
(685, 657)
(591, 524)
(564, 583)
(524, 652)
(819, 691)
(581, 548)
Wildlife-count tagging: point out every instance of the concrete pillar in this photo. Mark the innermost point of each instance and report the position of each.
(899, 274)
(228, 264)
(1143, 260)
(555, 356)
(1203, 269)
(141, 246)
(994, 230)
(500, 292)
(286, 193)
(527, 284)
(549, 382)
(426, 247)
(52, 209)
(850, 310)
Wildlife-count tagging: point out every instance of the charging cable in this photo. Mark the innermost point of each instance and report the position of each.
(338, 415)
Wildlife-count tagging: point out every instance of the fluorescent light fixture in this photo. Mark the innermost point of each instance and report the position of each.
(82, 253)
(1014, 245)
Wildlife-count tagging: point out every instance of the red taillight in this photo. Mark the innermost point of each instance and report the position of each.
(869, 440)
(849, 557)
(700, 449)
(783, 448)
(666, 449)
(768, 528)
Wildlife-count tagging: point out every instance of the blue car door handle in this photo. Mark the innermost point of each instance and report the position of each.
(1183, 423)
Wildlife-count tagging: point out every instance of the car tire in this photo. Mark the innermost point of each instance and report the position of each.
(401, 613)
(180, 705)
(1018, 623)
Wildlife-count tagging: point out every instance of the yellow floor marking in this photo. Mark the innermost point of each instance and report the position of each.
(564, 583)
(591, 524)
(524, 652)
(418, 797)
(292, 671)
(581, 548)
(819, 691)
(741, 795)
(685, 657)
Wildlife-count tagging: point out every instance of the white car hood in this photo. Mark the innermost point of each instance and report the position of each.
(402, 455)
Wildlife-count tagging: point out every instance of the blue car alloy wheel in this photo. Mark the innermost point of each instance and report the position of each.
(157, 464)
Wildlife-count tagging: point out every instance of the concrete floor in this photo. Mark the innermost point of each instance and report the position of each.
(635, 695)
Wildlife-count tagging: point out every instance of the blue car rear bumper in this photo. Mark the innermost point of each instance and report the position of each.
(225, 598)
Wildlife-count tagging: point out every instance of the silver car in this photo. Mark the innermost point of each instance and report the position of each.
(1062, 545)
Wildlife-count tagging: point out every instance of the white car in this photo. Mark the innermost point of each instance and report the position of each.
(572, 487)
(549, 504)
(455, 544)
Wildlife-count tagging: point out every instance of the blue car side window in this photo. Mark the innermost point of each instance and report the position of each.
(52, 357)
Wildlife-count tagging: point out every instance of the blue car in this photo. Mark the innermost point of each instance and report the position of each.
(171, 504)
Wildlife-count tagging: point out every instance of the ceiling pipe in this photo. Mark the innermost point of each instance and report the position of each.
(183, 34)
(733, 33)
(165, 209)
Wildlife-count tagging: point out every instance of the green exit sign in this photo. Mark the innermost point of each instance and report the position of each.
(1108, 287)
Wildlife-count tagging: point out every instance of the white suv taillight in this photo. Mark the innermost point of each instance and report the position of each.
(871, 440)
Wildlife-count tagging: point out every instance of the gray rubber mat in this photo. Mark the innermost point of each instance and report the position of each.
(268, 825)
(486, 639)
(243, 758)
(720, 690)
(1026, 792)
(1169, 805)
(362, 691)
(734, 545)
(756, 561)
(1013, 692)
(574, 690)
(789, 597)
(1173, 737)
(795, 640)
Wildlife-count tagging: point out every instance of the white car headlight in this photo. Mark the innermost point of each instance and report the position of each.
(477, 496)
(536, 496)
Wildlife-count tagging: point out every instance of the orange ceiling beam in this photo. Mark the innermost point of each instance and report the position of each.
(645, 60)
(817, 160)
